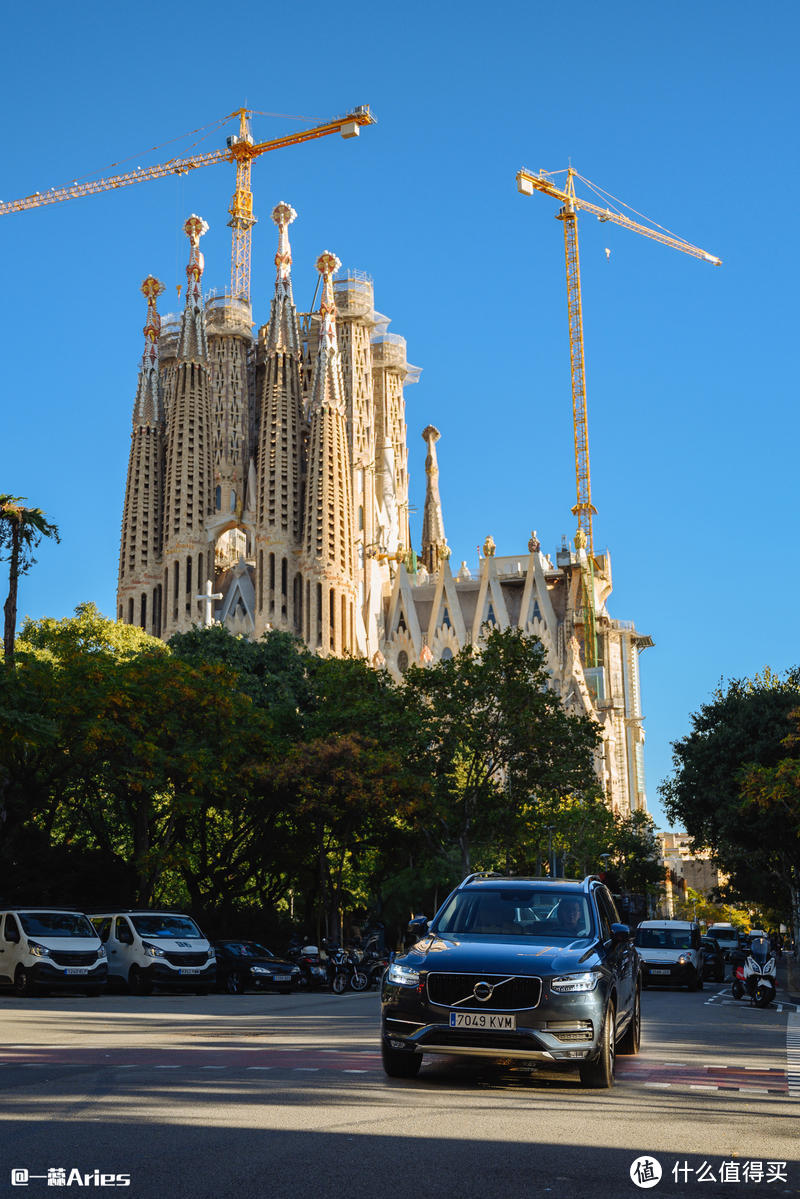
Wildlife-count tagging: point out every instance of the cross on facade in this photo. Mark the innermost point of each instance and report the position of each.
(207, 599)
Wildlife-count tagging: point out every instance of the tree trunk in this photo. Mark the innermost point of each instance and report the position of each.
(10, 606)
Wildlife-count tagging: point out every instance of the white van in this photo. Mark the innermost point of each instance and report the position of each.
(670, 952)
(726, 936)
(149, 949)
(44, 948)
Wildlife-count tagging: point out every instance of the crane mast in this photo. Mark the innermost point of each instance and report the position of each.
(584, 509)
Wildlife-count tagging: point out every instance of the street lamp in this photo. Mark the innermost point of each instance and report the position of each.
(605, 857)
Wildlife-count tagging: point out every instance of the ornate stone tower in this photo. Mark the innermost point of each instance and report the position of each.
(187, 554)
(139, 585)
(328, 552)
(434, 543)
(279, 517)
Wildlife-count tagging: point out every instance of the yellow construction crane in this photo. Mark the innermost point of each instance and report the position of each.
(527, 184)
(241, 150)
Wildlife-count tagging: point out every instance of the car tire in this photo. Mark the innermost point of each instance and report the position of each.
(599, 1073)
(400, 1063)
(138, 984)
(24, 986)
(233, 983)
(632, 1039)
(695, 983)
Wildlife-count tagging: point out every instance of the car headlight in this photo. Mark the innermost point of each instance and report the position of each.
(101, 953)
(259, 970)
(682, 960)
(402, 976)
(38, 951)
(152, 951)
(571, 983)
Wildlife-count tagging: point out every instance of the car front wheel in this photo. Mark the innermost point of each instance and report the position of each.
(599, 1074)
(399, 1063)
(24, 984)
(233, 983)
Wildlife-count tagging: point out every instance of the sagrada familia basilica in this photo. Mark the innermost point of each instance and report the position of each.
(268, 489)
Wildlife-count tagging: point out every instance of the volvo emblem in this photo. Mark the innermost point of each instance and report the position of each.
(483, 991)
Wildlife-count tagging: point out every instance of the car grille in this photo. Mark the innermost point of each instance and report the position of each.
(63, 958)
(467, 1039)
(186, 959)
(511, 992)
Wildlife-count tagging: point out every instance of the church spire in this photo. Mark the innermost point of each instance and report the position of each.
(326, 384)
(192, 342)
(147, 408)
(283, 330)
(328, 520)
(434, 542)
(279, 507)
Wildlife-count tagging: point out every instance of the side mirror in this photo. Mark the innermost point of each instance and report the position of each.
(620, 933)
(418, 926)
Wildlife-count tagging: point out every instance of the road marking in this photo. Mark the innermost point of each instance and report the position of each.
(793, 1054)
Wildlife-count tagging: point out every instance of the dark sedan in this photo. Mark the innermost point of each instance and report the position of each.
(248, 966)
(713, 959)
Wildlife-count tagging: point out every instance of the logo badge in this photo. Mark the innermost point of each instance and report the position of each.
(483, 991)
(646, 1172)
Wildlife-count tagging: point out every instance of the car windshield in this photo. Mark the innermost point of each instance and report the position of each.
(246, 949)
(663, 938)
(533, 912)
(158, 925)
(723, 934)
(56, 924)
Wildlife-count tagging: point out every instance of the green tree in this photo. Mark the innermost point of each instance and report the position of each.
(741, 732)
(21, 530)
(772, 794)
(503, 752)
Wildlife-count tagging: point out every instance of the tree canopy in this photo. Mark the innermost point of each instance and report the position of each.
(731, 787)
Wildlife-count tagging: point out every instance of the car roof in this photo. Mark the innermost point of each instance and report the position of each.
(510, 884)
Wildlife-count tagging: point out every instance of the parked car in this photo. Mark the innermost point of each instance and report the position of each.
(149, 949)
(671, 953)
(246, 965)
(44, 948)
(534, 968)
(713, 959)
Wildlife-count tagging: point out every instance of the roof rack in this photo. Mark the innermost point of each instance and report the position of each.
(481, 874)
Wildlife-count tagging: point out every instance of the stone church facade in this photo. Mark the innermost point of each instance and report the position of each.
(268, 489)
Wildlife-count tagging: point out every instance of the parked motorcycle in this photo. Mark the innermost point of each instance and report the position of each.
(755, 975)
(312, 968)
(760, 973)
(344, 971)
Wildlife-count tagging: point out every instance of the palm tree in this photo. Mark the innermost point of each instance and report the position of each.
(21, 530)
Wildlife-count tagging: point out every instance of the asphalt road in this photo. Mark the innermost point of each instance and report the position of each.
(283, 1096)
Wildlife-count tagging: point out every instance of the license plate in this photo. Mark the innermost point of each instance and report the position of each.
(190, 970)
(77, 970)
(481, 1020)
(660, 971)
(283, 978)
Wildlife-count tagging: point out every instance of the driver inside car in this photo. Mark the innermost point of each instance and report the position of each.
(571, 917)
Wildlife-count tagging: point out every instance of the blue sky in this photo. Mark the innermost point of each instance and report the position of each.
(688, 112)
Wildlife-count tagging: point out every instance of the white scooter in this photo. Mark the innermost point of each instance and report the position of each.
(759, 973)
